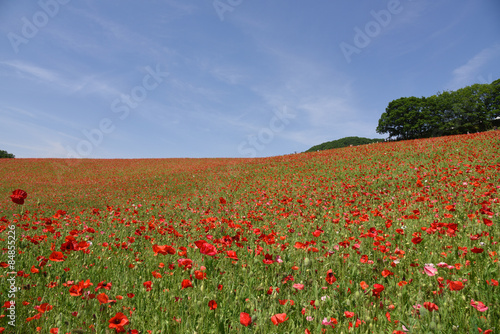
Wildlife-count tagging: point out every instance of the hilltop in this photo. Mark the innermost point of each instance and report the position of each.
(343, 142)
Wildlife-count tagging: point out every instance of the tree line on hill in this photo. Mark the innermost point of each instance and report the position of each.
(473, 108)
(343, 142)
(5, 154)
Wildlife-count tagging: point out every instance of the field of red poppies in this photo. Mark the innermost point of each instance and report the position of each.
(399, 237)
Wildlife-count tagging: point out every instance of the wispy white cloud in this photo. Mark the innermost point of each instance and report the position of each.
(228, 75)
(33, 140)
(77, 83)
(33, 71)
(470, 72)
(410, 13)
(45, 148)
(318, 92)
(329, 111)
(37, 116)
(182, 7)
(117, 38)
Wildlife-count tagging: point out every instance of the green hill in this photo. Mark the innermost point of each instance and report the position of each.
(344, 142)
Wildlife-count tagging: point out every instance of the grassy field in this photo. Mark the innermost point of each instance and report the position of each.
(399, 237)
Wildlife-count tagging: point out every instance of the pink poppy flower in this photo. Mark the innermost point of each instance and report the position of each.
(430, 270)
(478, 305)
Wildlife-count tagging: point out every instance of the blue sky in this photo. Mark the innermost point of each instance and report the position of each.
(226, 78)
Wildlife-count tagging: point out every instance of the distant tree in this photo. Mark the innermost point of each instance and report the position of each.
(469, 109)
(446, 113)
(5, 154)
(493, 100)
(432, 116)
(403, 118)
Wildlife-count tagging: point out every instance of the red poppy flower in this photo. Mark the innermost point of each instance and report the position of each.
(186, 263)
(232, 255)
(300, 245)
(200, 243)
(245, 319)
(18, 196)
(85, 284)
(488, 331)
(36, 316)
(118, 321)
(455, 285)
(44, 307)
(450, 207)
(431, 306)
(487, 222)
(268, 259)
(7, 304)
(69, 246)
(208, 249)
(329, 277)
(349, 314)
(156, 274)
(492, 282)
(377, 289)
(284, 301)
(212, 304)
(56, 256)
(83, 245)
(279, 318)
(163, 250)
(386, 273)
(186, 284)
(477, 250)
(147, 285)
(58, 214)
(75, 290)
(416, 240)
(104, 299)
(103, 285)
(317, 233)
(200, 274)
